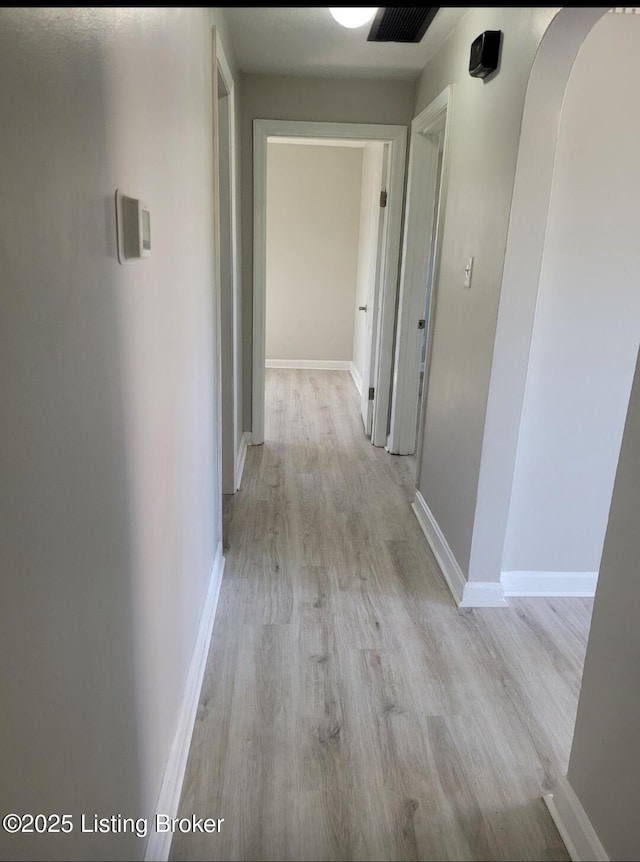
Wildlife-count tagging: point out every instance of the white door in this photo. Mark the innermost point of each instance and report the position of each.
(426, 324)
(419, 275)
(371, 308)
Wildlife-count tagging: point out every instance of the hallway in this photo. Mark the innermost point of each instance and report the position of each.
(349, 709)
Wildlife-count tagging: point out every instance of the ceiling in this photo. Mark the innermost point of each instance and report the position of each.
(307, 41)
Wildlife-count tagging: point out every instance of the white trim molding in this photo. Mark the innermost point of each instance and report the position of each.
(317, 364)
(449, 567)
(357, 379)
(245, 441)
(550, 583)
(483, 594)
(396, 138)
(467, 594)
(159, 843)
(575, 828)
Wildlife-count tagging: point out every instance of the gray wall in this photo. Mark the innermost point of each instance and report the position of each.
(268, 97)
(484, 135)
(605, 757)
(586, 330)
(109, 503)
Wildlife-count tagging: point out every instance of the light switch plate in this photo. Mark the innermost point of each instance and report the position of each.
(133, 229)
(468, 271)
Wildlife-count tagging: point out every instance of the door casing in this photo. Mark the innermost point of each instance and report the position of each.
(396, 137)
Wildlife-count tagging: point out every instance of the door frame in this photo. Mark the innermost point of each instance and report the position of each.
(421, 209)
(396, 137)
(230, 338)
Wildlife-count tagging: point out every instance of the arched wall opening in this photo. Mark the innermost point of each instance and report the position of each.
(520, 281)
(586, 327)
(562, 373)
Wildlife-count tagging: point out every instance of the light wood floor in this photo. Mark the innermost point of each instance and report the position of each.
(350, 711)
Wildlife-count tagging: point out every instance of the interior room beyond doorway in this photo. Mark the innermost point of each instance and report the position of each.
(322, 241)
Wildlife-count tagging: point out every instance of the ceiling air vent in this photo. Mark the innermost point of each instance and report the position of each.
(395, 24)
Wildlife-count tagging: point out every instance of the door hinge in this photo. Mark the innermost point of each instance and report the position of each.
(421, 323)
(383, 199)
(372, 393)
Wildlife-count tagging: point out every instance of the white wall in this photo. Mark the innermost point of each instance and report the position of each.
(587, 327)
(367, 246)
(313, 223)
(109, 497)
(310, 99)
(605, 758)
(484, 135)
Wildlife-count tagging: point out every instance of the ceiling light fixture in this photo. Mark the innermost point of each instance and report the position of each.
(355, 17)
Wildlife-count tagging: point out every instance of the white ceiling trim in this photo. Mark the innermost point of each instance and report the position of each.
(318, 142)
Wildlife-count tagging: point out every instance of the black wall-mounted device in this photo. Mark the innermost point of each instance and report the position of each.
(485, 53)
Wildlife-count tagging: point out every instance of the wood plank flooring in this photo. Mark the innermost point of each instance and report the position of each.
(350, 711)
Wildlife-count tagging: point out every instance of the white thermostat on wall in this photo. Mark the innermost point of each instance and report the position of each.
(133, 224)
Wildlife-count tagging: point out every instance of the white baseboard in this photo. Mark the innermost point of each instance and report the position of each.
(579, 836)
(245, 441)
(159, 843)
(467, 594)
(449, 567)
(317, 364)
(483, 594)
(549, 583)
(356, 377)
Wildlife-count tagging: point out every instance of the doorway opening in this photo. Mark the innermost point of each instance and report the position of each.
(325, 231)
(380, 320)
